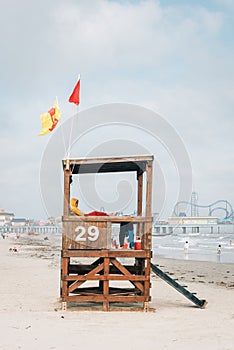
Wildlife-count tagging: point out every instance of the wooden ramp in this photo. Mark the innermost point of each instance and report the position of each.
(199, 302)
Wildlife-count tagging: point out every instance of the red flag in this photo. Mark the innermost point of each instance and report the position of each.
(75, 96)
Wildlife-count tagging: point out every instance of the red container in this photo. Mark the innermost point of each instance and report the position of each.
(137, 245)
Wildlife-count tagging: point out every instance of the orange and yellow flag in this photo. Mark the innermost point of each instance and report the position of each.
(50, 119)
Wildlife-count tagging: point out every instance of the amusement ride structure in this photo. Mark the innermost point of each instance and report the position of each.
(219, 205)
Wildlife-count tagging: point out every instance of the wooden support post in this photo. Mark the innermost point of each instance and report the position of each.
(139, 201)
(149, 171)
(148, 210)
(106, 284)
(64, 273)
(147, 282)
(139, 194)
(66, 202)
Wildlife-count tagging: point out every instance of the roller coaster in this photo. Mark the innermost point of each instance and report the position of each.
(220, 204)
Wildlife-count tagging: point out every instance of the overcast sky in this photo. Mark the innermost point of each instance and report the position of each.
(172, 57)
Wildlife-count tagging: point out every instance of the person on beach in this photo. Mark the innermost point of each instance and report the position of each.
(75, 210)
(219, 249)
(13, 249)
(126, 230)
(186, 247)
(74, 207)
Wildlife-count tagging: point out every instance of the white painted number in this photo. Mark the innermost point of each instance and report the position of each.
(93, 233)
(81, 233)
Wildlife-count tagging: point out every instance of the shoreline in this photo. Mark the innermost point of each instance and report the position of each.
(212, 273)
(207, 272)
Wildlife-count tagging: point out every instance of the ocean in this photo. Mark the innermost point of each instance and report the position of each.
(202, 246)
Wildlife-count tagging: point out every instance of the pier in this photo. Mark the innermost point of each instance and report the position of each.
(30, 229)
(191, 225)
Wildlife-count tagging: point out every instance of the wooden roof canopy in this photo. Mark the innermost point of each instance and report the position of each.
(107, 164)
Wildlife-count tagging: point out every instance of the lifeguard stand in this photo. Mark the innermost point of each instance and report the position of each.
(92, 270)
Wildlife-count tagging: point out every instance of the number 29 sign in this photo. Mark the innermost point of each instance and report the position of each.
(83, 234)
(86, 235)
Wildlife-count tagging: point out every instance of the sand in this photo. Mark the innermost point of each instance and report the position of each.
(29, 292)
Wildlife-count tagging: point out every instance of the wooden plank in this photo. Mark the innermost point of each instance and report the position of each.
(94, 298)
(113, 308)
(121, 253)
(78, 283)
(101, 160)
(83, 269)
(127, 298)
(111, 298)
(126, 272)
(88, 291)
(112, 291)
(106, 278)
(76, 253)
(86, 235)
(109, 165)
(110, 218)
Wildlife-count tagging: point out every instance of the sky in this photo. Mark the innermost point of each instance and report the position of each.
(173, 58)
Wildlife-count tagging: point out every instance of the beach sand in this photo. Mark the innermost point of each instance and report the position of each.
(29, 292)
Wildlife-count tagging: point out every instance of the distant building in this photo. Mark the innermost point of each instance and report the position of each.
(51, 220)
(5, 218)
(193, 220)
(19, 222)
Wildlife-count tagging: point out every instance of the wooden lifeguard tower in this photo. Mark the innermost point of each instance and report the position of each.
(92, 270)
